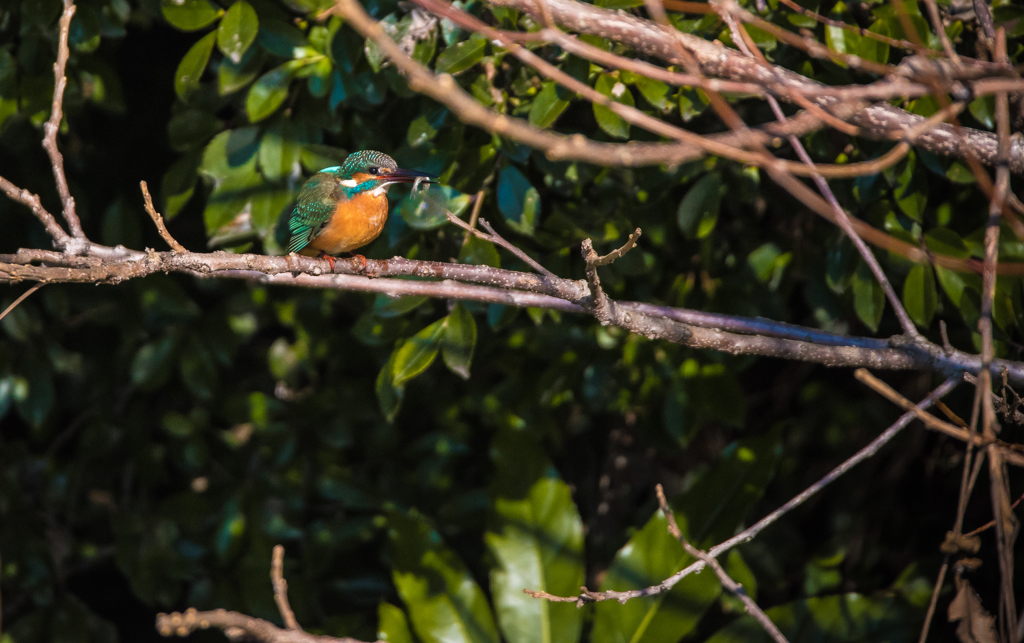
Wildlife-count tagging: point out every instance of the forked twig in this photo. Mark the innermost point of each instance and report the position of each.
(497, 239)
(727, 582)
(588, 596)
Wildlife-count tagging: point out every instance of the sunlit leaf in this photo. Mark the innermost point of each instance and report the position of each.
(536, 537)
(461, 56)
(190, 69)
(698, 211)
(418, 352)
(190, 15)
(237, 31)
(444, 603)
(868, 297)
(459, 341)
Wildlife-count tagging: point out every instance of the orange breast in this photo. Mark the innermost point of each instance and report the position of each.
(355, 223)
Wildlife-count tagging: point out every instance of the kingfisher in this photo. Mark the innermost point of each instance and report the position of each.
(344, 207)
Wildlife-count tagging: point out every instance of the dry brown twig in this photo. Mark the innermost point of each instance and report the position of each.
(158, 220)
(239, 627)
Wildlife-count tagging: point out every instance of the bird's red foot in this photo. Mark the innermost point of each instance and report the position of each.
(362, 260)
(329, 258)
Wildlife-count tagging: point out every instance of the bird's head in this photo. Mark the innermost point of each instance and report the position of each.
(374, 172)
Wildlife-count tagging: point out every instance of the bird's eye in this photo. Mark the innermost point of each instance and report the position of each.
(374, 171)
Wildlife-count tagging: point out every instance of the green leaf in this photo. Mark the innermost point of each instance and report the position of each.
(461, 56)
(267, 93)
(392, 624)
(607, 120)
(518, 201)
(654, 92)
(840, 618)
(280, 150)
(179, 183)
(868, 297)
(191, 128)
(459, 341)
(237, 31)
(444, 603)
(911, 190)
(418, 352)
(944, 241)
(387, 307)
(651, 556)
(190, 15)
(190, 69)
(479, 253)
(720, 500)
(232, 77)
(535, 535)
(547, 106)
(848, 42)
(698, 211)
(389, 396)
(983, 108)
(920, 295)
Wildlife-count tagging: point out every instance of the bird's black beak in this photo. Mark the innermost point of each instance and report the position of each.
(409, 176)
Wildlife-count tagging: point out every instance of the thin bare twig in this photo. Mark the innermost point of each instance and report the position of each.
(1006, 522)
(496, 238)
(588, 596)
(1012, 452)
(614, 255)
(25, 295)
(159, 220)
(727, 582)
(280, 586)
(52, 126)
(478, 202)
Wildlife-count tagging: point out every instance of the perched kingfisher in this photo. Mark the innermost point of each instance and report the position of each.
(344, 207)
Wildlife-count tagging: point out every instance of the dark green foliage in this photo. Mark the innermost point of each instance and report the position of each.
(159, 437)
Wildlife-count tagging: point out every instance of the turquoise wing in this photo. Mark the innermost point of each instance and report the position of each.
(316, 204)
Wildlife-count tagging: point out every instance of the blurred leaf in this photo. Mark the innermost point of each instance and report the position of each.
(480, 253)
(461, 56)
(392, 624)
(267, 93)
(459, 341)
(444, 603)
(386, 307)
(280, 150)
(231, 77)
(237, 31)
(920, 295)
(868, 297)
(518, 201)
(536, 537)
(190, 15)
(547, 106)
(654, 92)
(983, 108)
(389, 396)
(418, 352)
(722, 497)
(698, 211)
(190, 69)
(607, 120)
(191, 128)
(651, 556)
(836, 619)
(179, 184)
(911, 190)
(944, 241)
